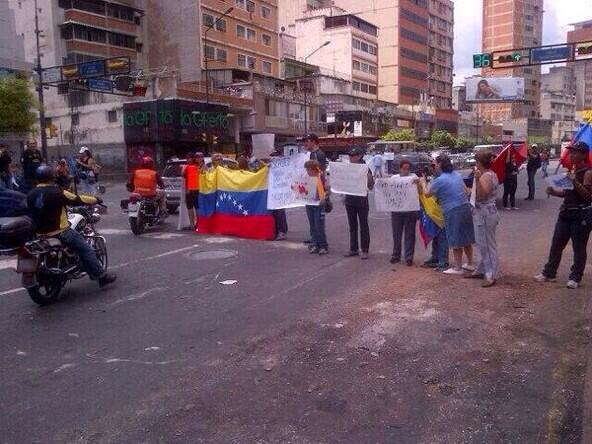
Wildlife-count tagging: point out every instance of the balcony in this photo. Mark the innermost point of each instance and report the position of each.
(238, 96)
(105, 22)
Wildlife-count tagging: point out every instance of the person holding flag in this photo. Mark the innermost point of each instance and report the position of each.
(574, 221)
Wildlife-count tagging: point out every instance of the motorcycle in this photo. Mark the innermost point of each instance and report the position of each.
(143, 211)
(46, 265)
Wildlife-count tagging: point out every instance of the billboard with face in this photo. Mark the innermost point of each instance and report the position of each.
(495, 89)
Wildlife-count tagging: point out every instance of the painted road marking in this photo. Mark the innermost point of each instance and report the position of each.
(8, 264)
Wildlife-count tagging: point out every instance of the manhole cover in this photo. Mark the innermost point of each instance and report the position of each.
(212, 255)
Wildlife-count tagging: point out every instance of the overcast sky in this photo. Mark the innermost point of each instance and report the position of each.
(468, 15)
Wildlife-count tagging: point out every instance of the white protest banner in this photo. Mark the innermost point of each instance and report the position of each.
(285, 175)
(305, 191)
(349, 178)
(389, 156)
(396, 194)
(560, 182)
(263, 145)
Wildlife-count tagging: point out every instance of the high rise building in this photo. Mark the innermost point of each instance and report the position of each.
(291, 10)
(441, 47)
(12, 45)
(246, 39)
(509, 24)
(582, 32)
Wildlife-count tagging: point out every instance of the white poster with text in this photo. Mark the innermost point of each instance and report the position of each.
(288, 184)
(396, 194)
(349, 178)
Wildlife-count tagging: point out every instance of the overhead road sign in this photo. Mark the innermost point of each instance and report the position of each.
(100, 85)
(538, 55)
(86, 70)
(91, 69)
(558, 54)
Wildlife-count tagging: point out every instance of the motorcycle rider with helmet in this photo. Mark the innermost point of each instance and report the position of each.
(145, 181)
(47, 204)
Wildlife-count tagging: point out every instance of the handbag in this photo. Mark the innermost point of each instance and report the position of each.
(328, 205)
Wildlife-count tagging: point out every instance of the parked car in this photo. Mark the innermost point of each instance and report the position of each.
(171, 176)
(420, 162)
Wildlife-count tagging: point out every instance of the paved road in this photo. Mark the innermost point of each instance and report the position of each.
(300, 349)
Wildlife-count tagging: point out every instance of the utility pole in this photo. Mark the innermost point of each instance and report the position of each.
(328, 42)
(39, 70)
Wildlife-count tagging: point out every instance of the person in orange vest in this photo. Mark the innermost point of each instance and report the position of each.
(191, 172)
(146, 182)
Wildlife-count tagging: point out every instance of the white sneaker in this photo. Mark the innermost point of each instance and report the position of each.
(515, 208)
(542, 278)
(573, 285)
(507, 208)
(468, 267)
(453, 271)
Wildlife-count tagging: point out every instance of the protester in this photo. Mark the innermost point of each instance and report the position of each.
(357, 208)
(316, 213)
(486, 219)
(6, 180)
(279, 216)
(533, 164)
(30, 161)
(575, 219)
(449, 189)
(545, 156)
(377, 165)
(510, 181)
(311, 142)
(404, 223)
(243, 163)
(217, 160)
(87, 171)
(190, 174)
(12, 203)
(62, 173)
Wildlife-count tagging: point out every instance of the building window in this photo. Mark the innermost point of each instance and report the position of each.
(365, 47)
(413, 55)
(246, 4)
(414, 18)
(75, 119)
(221, 55)
(251, 62)
(356, 86)
(210, 52)
(242, 60)
(112, 116)
(266, 67)
(251, 35)
(265, 12)
(266, 39)
(413, 73)
(372, 89)
(414, 37)
(241, 31)
(356, 65)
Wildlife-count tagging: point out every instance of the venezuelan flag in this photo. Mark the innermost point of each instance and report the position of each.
(431, 219)
(584, 134)
(234, 203)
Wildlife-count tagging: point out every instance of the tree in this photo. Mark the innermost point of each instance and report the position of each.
(487, 140)
(463, 144)
(399, 135)
(442, 138)
(17, 106)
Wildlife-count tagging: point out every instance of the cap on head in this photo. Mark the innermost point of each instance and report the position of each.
(534, 145)
(580, 146)
(83, 150)
(44, 174)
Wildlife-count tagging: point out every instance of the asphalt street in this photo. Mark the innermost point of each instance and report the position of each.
(209, 339)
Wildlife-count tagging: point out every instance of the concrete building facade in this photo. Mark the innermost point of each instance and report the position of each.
(12, 45)
(582, 32)
(509, 24)
(441, 52)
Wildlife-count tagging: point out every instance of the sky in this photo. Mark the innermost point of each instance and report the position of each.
(467, 30)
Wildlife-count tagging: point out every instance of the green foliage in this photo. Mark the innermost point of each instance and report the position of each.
(399, 135)
(442, 138)
(463, 144)
(17, 106)
(487, 140)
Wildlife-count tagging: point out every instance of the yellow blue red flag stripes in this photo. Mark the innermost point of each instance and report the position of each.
(431, 219)
(234, 203)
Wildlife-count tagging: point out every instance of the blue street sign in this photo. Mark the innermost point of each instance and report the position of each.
(556, 53)
(92, 69)
(100, 85)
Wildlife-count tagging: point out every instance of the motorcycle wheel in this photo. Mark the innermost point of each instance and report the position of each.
(101, 251)
(137, 225)
(46, 293)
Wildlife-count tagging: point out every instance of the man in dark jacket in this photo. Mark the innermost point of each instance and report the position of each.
(30, 161)
(534, 163)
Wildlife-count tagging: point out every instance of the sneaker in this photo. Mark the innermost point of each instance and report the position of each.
(394, 260)
(351, 254)
(308, 241)
(322, 251)
(515, 208)
(468, 267)
(573, 285)
(106, 279)
(281, 237)
(488, 283)
(364, 256)
(507, 208)
(314, 250)
(453, 271)
(430, 264)
(542, 278)
(409, 263)
(474, 275)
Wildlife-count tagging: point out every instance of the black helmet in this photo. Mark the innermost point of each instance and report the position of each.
(44, 174)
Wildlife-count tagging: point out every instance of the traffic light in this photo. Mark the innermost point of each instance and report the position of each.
(585, 49)
(510, 58)
(481, 60)
(140, 90)
(124, 83)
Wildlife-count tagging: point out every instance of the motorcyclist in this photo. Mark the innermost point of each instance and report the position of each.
(145, 180)
(47, 203)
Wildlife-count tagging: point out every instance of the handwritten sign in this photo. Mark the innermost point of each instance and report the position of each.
(288, 184)
(560, 182)
(396, 194)
(263, 145)
(349, 178)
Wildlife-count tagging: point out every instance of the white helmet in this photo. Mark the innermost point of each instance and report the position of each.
(83, 150)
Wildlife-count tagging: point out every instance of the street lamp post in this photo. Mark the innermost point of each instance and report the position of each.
(306, 89)
(39, 70)
(208, 29)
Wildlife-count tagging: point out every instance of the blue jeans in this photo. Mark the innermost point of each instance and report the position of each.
(316, 218)
(440, 249)
(74, 240)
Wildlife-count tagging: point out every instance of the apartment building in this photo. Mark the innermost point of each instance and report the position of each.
(582, 32)
(509, 24)
(441, 47)
(246, 38)
(558, 102)
(350, 51)
(12, 45)
(291, 10)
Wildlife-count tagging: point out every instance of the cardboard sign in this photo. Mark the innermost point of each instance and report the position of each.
(396, 194)
(263, 145)
(349, 178)
(288, 184)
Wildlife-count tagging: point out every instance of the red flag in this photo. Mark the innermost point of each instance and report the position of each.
(520, 154)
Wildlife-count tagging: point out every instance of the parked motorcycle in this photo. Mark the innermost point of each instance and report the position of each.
(45, 264)
(142, 212)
